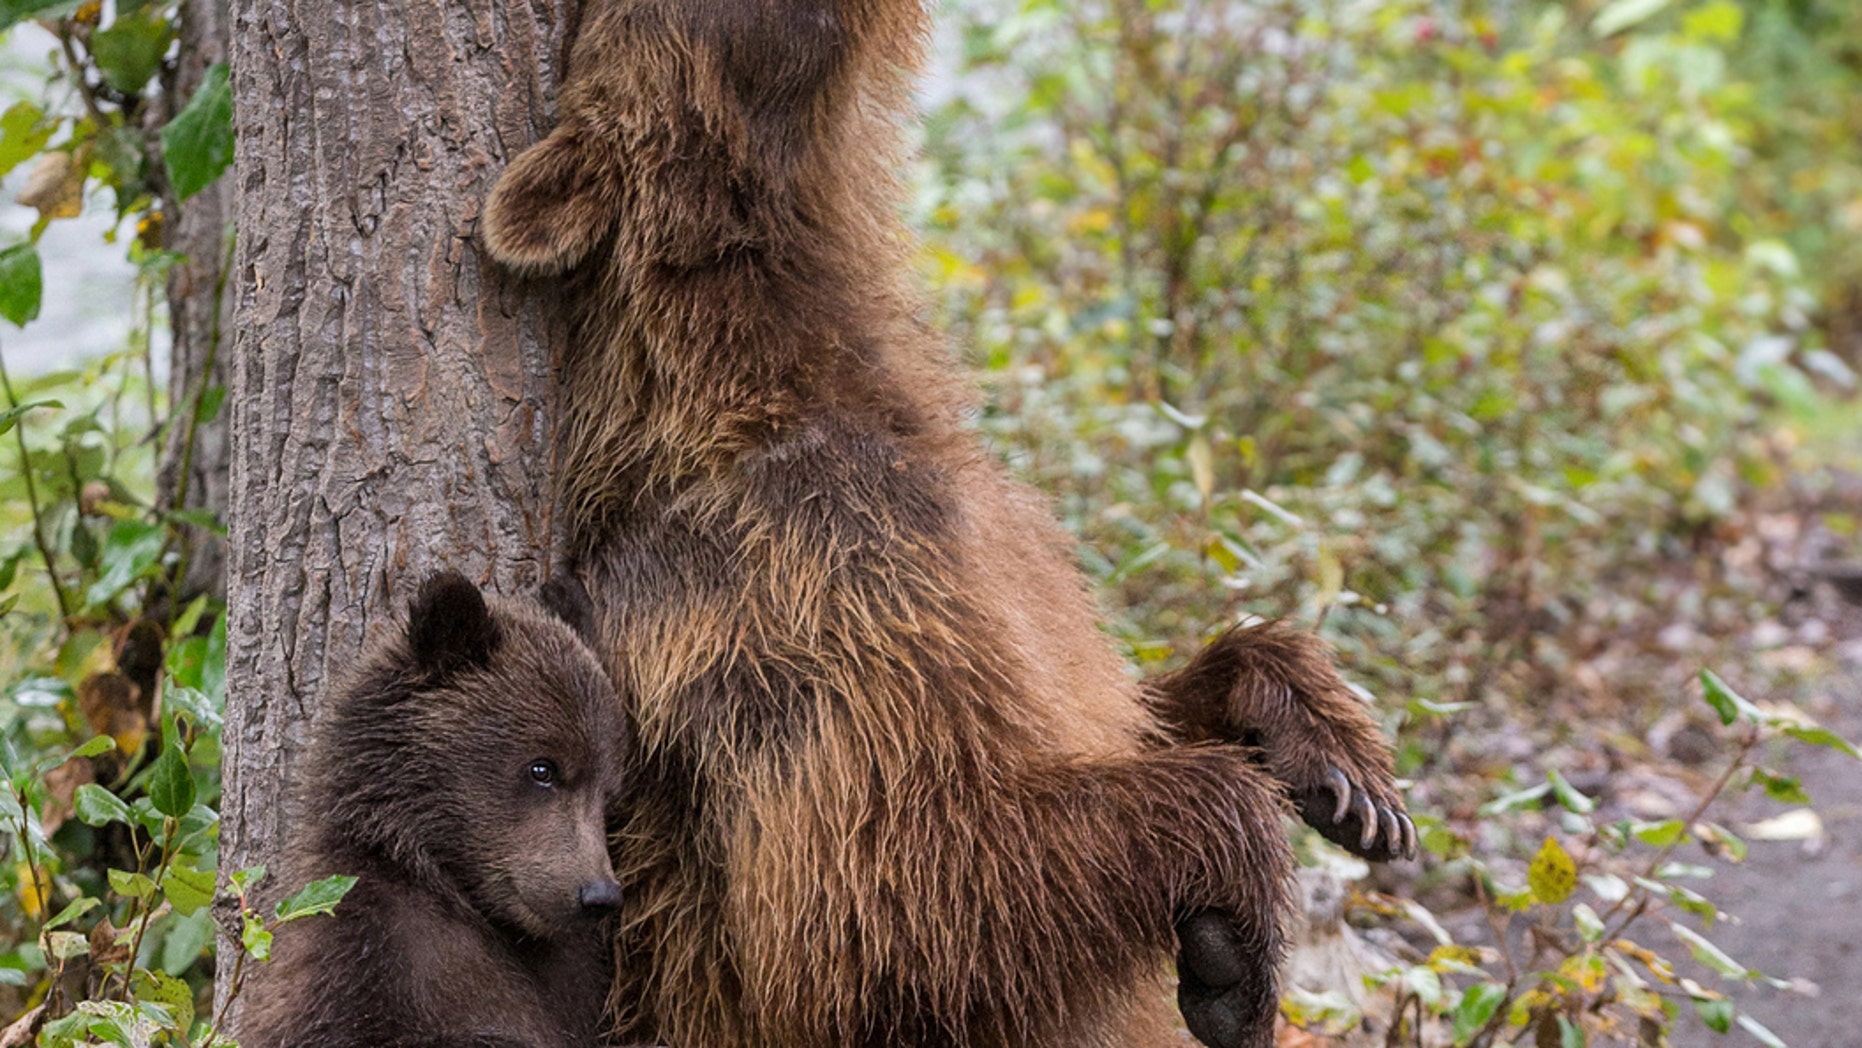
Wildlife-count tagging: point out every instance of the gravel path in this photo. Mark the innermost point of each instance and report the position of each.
(1799, 907)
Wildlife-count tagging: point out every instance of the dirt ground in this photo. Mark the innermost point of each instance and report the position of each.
(1799, 903)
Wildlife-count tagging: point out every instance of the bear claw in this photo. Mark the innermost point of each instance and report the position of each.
(1341, 788)
(1362, 821)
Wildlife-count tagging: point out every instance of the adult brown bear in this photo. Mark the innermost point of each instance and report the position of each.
(898, 789)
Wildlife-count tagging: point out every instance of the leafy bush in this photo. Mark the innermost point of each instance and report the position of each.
(1446, 331)
(1434, 328)
(111, 679)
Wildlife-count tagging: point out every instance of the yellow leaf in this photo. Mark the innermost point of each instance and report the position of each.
(1202, 466)
(29, 900)
(1331, 578)
(1721, 20)
(1552, 876)
(1654, 962)
(1451, 955)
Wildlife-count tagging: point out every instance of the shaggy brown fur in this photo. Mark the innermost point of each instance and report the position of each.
(898, 788)
(475, 920)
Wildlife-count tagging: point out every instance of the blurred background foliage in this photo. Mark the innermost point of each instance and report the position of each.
(1511, 343)
(1447, 322)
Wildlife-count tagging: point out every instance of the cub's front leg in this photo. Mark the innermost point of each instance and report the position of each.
(1274, 687)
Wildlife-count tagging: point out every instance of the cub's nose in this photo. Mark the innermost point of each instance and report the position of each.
(599, 895)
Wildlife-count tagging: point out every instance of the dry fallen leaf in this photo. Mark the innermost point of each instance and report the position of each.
(113, 705)
(55, 186)
(61, 787)
(107, 944)
(24, 1029)
(1798, 824)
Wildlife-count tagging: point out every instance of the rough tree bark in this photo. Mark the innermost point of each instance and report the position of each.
(389, 389)
(195, 457)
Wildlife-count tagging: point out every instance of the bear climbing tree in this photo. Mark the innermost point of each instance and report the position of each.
(908, 622)
(883, 741)
(388, 392)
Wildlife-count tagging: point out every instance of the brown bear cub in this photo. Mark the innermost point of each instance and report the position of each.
(464, 778)
(896, 786)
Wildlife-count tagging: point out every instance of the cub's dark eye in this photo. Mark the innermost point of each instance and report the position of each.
(544, 773)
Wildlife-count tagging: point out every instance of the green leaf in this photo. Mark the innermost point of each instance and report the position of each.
(169, 992)
(1759, 1032)
(96, 806)
(187, 662)
(213, 663)
(1570, 1034)
(131, 551)
(121, 1023)
(256, 940)
(1707, 953)
(66, 945)
(1822, 737)
(317, 897)
(66, 1030)
(1589, 925)
(1552, 875)
(22, 283)
(193, 704)
(11, 416)
(190, 618)
(1530, 797)
(171, 786)
(185, 940)
(1659, 834)
(243, 880)
(97, 745)
(132, 885)
(23, 132)
(1717, 1014)
(1725, 701)
(187, 888)
(209, 407)
(1568, 794)
(128, 51)
(1425, 983)
(1622, 14)
(70, 913)
(197, 145)
(1787, 789)
(13, 12)
(1477, 1006)
(199, 820)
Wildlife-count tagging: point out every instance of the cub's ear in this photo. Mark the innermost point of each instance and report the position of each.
(448, 625)
(567, 599)
(551, 207)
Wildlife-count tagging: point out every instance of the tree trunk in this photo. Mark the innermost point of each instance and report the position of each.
(390, 390)
(195, 458)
